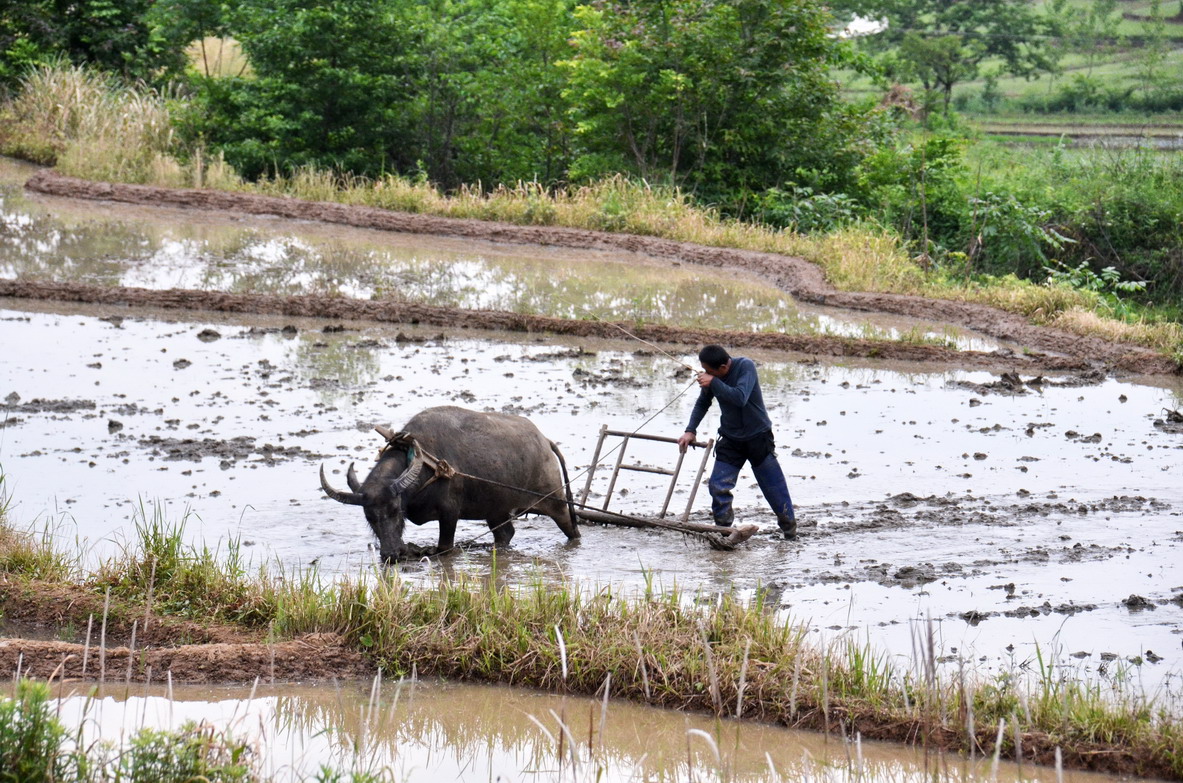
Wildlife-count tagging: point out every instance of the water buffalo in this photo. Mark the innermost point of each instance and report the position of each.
(505, 449)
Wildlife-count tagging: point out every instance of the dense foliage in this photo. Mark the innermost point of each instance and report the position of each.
(717, 96)
(330, 88)
(116, 35)
(732, 101)
(724, 97)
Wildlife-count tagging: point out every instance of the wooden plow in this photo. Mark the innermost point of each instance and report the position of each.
(725, 538)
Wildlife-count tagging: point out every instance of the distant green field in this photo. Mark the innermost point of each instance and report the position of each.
(1118, 68)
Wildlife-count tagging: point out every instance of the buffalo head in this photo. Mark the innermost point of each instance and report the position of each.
(383, 497)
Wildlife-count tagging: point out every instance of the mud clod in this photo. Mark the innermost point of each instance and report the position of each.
(1137, 603)
(49, 406)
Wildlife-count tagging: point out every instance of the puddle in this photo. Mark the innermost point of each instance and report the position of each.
(1043, 524)
(106, 243)
(430, 731)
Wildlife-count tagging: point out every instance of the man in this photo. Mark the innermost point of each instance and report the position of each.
(745, 435)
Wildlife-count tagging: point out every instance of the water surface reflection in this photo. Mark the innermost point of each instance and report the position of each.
(430, 731)
(105, 243)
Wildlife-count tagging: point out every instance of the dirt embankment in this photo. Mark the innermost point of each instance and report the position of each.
(798, 277)
(156, 646)
(187, 652)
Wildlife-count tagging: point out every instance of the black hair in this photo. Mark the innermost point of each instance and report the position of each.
(714, 356)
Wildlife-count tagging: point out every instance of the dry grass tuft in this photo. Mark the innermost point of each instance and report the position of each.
(28, 554)
(89, 125)
(862, 258)
(1166, 337)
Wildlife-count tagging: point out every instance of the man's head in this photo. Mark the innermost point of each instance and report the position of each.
(715, 360)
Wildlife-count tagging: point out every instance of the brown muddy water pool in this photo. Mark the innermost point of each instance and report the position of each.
(431, 730)
(47, 238)
(1037, 523)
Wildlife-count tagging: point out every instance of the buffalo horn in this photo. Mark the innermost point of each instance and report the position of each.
(351, 477)
(351, 498)
(384, 432)
(404, 482)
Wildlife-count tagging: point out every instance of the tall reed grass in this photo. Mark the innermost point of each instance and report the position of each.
(658, 647)
(90, 125)
(94, 128)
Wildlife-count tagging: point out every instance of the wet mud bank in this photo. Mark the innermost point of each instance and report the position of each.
(141, 645)
(390, 311)
(796, 276)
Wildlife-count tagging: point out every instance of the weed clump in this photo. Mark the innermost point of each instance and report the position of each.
(35, 748)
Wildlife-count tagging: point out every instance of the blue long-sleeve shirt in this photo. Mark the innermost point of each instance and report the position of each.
(741, 405)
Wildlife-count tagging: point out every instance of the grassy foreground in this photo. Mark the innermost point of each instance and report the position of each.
(729, 657)
(90, 127)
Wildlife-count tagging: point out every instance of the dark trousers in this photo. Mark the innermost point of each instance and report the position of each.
(730, 456)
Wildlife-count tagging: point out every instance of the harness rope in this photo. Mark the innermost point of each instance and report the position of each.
(441, 469)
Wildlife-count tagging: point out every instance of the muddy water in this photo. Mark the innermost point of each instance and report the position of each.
(47, 238)
(1041, 524)
(429, 731)
(1019, 525)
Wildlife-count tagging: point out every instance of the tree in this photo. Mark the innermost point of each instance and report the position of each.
(1092, 32)
(938, 62)
(487, 94)
(331, 87)
(114, 35)
(720, 95)
(942, 43)
(1155, 48)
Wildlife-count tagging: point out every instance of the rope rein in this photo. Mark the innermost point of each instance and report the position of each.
(441, 469)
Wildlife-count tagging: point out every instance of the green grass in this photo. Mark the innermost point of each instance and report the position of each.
(30, 553)
(159, 569)
(725, 656)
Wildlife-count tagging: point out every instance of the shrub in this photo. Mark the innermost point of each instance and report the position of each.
(31, 738)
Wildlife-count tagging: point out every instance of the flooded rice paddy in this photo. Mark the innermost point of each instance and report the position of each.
(1046, 521)
(59, 239)
(1028, 519)
(429, 730)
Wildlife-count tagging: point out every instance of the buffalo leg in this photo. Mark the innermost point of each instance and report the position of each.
(447, 532)
(502, 530)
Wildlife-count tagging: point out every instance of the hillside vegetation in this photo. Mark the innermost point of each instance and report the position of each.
(729, 117)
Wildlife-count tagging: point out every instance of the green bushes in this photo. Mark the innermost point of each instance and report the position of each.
(35, 748)
(31, 738)
(1121, 209)
(993, 210)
